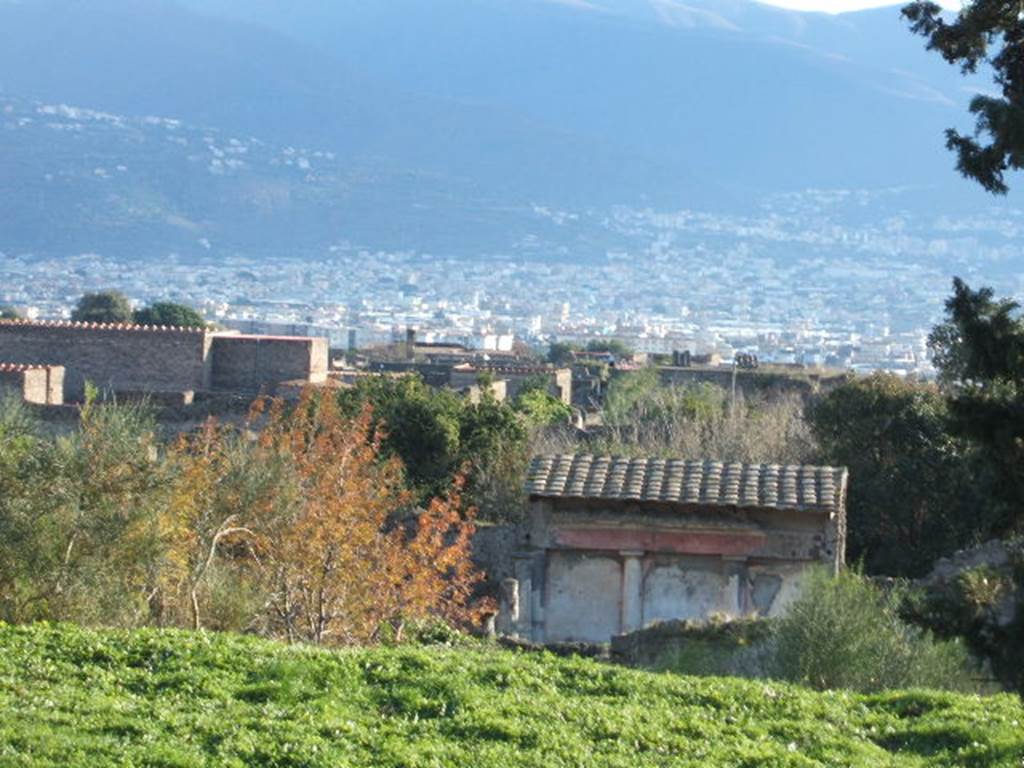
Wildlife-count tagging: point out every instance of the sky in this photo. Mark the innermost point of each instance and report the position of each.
(841, 6)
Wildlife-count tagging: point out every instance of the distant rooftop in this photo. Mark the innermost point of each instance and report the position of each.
(688, 482)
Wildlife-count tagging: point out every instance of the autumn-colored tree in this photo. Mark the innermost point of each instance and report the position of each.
(355, 558)
(227, 492)
(436, 575)
(294, 526)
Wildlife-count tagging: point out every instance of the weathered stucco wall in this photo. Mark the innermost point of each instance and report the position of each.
(600, 568)
(686, 588)
(583, 600)
(113, 357)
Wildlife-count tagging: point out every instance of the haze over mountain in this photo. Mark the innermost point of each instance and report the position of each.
(461, 118)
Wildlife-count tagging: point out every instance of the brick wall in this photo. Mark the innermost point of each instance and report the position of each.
(113, 357)
(260, 363)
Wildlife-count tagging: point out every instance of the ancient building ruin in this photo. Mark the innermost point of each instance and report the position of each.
(615, 544)
(139, 359)
(36, 384)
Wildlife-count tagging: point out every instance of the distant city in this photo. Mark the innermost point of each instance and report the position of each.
(862, 314)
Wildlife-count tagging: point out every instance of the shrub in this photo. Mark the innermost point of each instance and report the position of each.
(844, 632)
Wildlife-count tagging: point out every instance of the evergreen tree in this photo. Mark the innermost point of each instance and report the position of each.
(103, 307)
(989, 33)
(981, 350)
(169, 313)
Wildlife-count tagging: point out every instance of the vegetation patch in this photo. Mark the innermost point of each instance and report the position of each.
(76, 697)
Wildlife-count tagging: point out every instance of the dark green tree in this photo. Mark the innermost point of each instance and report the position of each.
(981, 356)
(562, 352)
(103, 307)
(169, 313)
(9, 313)
(435, 432)
(916, 492)
(989, 33)
(613, 347)
(421, 425)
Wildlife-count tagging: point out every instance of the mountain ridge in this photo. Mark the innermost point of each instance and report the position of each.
(452, 123)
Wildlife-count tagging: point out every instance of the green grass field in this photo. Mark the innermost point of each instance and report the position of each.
(72, 697)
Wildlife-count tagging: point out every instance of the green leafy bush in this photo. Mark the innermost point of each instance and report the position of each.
(844, 632)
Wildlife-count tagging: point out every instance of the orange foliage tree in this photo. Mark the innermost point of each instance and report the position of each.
(336, 543)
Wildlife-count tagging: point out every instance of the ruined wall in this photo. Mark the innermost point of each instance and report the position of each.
(605, 567)
(559, 380)
(260, 363)
(34, 384)
(754, 382)
(113, 357)
(493, 550)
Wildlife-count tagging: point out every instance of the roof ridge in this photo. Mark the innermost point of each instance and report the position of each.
(20, 367)
(81, 325)
(666, 459)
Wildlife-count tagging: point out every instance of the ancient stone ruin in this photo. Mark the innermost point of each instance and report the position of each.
(155, 360)
(615, 544)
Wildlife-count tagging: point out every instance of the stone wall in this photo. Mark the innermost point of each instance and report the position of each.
(754, 382)
(34, 384)
(736, 647)
(260, 363)
(494, 547)
(113, 357)
(559, 379)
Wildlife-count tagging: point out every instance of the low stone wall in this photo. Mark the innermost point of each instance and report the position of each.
(723, 647)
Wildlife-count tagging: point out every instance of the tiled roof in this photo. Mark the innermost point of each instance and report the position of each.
(22, 367)
(680, 481)
(101, 326)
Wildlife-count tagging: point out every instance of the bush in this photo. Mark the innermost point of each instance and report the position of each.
(844, 632)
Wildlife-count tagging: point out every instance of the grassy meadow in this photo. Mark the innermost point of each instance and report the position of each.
(76, 697)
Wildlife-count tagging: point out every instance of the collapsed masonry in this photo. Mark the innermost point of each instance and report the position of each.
(156, 360)
(613, 544)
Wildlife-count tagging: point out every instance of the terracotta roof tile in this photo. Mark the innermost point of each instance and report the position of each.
(693, 482)
(102, 326)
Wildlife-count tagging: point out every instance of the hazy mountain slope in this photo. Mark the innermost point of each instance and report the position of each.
(752, 95)
(142, 57)
(74, 181)
(452, 123)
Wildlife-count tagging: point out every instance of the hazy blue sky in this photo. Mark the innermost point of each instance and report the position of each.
(838, 6)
